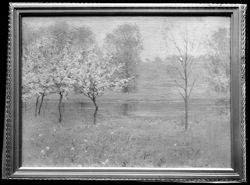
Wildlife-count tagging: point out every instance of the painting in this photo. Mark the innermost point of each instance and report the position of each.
(126, 91)
(151, 92)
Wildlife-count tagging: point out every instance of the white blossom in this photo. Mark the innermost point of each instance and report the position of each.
(95, 74)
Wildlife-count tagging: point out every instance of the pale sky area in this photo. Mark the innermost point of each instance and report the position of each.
(153, 30)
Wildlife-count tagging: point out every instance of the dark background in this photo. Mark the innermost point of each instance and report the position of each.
(3, 54)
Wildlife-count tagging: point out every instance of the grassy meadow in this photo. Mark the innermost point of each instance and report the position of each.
(144, 128)
(123, 137)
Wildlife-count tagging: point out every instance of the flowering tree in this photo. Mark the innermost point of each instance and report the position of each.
(36, 82)
(60, 70)
(218, 66)
(48, 59)
(68, 44)
(95, 74)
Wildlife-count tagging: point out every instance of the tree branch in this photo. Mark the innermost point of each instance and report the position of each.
(181, 94)
(190, 61)
(179, 85)
(186, 47)
(191, 88)
(176, 46)
(181, 75)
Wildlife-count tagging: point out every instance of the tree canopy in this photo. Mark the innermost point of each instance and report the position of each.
(125, 45)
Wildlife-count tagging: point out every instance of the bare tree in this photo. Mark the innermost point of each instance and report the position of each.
(181, 68)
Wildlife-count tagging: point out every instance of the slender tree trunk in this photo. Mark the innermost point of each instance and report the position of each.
(125, 89)
(186, 114)
(59, 107)
(125, 109)
(63, 106)
(135, 84)
(96, 109)
(41, 103)
(186, 95)
(37, 101)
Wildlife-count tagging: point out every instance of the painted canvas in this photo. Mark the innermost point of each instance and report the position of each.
(147, 92)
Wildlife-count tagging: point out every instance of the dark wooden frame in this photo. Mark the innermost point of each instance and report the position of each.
(12, 168)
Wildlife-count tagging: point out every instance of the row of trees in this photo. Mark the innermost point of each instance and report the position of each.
(63, 59)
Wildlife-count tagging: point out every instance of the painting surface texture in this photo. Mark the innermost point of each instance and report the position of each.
(126, 92)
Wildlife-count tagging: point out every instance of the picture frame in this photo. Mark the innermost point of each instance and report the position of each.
(12, 154)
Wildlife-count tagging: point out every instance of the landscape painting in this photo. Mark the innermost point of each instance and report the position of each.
(126, 91)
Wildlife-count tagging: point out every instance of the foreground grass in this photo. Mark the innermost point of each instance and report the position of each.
(124, 141)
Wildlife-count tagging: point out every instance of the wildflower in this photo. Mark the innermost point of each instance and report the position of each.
(85, 140)
(47, 148)
(40, 135)
(42, 152)
(105, 162)
(175, 144)
(72, 148)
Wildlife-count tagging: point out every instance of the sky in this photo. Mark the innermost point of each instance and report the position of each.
(154, 30)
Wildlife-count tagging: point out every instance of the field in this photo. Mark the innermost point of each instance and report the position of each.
(126, 134)
(140, 92)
